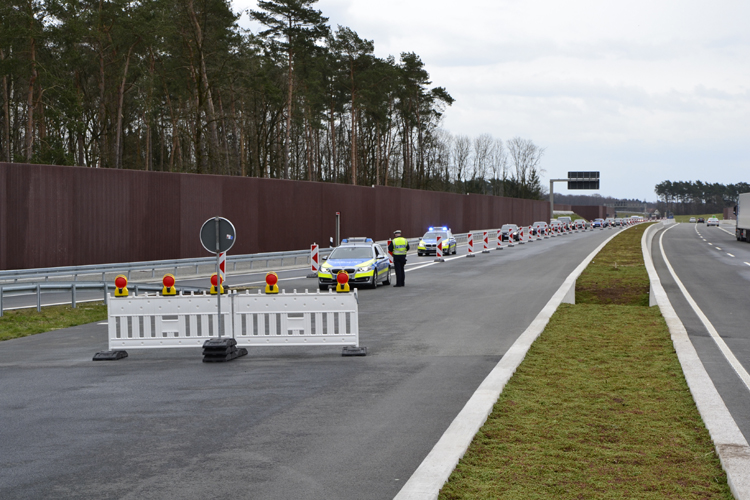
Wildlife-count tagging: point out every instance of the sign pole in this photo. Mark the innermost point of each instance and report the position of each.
(218, 276)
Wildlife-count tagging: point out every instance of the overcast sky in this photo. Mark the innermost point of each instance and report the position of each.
(643, 91)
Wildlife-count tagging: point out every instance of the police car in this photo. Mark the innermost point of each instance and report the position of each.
(364, 260)
(428, 242)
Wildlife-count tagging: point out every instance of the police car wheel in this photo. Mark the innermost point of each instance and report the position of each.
(374, 281)
(323, 287)
(419, 254)
(387, 277)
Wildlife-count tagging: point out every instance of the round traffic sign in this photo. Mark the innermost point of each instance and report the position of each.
(226, 236)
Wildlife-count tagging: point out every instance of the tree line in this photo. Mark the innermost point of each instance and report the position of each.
(177, 85)
(689, 197)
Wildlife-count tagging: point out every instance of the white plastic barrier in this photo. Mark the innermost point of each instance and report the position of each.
(154, 321)
(150, 322)
(296, 319)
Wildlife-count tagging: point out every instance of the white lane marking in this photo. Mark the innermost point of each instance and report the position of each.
(105, 323)
(704, 239)
(728, 354)
(434, 471)
(730, 254)
(730, 233)
(717, 248)
(729, 442)
(748, 263)
(711, 244)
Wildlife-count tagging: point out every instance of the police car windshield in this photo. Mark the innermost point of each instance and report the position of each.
(434, 235)
(508, 226)
(347, 252)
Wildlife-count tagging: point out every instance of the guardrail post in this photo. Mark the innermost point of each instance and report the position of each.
(73, 295)
(106, 289)
(136, 289)
(38, 297)
(1, 302)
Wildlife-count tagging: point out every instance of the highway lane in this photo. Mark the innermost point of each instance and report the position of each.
(714, 269)
(294, 422)
(19, 300)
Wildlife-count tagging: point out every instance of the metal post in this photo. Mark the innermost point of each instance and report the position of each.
(551, 200)
(1, 302)
(38, 297)
(218, 276)
(73, 295)
(106, 289)
(337, 241)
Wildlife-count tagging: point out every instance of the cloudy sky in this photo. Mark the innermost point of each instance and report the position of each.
(642, 91)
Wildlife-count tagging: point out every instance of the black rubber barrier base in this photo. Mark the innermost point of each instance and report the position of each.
(221, 350)
(312, 275)
(354, 351)
(110, 355)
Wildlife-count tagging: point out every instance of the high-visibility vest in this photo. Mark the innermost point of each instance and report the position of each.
(399, 246)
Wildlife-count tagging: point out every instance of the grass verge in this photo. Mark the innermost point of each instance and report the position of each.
(686, 218)
(22, 322)
(599, 408)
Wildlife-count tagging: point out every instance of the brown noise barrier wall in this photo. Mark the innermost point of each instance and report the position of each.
(60, 216)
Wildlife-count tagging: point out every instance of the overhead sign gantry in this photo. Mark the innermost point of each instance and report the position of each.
(575, 180)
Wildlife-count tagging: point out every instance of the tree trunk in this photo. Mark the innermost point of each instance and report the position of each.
(6, 112)
(288, 114)
(332, 122)
(30, 104)
(120, 101)
(206, 88)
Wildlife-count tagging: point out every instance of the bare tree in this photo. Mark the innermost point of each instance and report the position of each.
(482, 156)
(499, 162)
(461, 154)
(525, 157)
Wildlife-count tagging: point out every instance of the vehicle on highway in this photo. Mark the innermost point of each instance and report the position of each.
(701, 220)
(692, 219)
(508, 231)
(609, 222)
(712, 221)
(565, 219)
(597, 223)
(580, 224)
(428, 242)
(619, 222)
(364, 260)
(556, 226)
(540, 228)
(742, 211)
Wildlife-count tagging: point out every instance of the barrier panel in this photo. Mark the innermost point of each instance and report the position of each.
(155, 322)
(296, 319)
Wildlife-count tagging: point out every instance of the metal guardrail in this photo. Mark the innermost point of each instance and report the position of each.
(13, 282)
(166, 265)
(8, 290)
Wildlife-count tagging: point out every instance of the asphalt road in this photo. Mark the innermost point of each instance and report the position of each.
(296, 422)
(715, 269)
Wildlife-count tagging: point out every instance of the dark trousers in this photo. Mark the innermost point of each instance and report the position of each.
(399, 261)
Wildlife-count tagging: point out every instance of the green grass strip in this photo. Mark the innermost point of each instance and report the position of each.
(22, 322)
(599, 408)
(617, 275)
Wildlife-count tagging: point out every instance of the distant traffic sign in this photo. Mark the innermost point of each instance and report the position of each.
(583, 180)
(226, 236)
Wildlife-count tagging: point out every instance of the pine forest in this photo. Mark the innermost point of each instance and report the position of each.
(178, 86)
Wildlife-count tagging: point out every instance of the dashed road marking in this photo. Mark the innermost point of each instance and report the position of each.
(730, 254)
(710, 243)
(748, 263)
(717, 248)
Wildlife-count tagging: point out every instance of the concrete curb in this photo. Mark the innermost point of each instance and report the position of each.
(437, 467)
(730, 444)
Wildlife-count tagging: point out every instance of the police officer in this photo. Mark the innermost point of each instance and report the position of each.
(398, 247)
